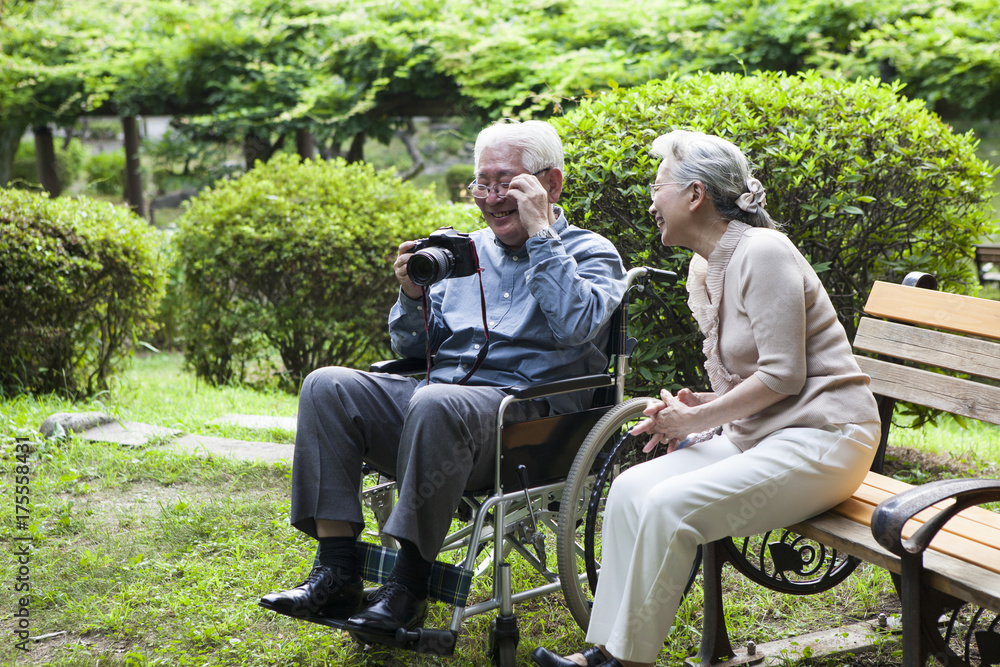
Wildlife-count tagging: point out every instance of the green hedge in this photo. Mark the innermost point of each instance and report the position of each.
(868, 185)
(295, 261)
(79, 283)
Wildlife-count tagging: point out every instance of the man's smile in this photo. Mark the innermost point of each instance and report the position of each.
(500, 215)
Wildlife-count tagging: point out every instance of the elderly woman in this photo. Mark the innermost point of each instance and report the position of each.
(800, 425)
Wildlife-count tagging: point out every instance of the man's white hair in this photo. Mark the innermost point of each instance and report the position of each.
(537, 141)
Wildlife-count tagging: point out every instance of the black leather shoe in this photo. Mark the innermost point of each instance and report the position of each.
(546, 658)
(322, 594)
(393, 607)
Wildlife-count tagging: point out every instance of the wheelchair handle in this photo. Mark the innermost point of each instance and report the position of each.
(660, 275)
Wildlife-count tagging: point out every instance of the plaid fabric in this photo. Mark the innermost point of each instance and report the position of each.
(448, 583)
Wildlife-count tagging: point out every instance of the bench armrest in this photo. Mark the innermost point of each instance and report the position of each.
(890, 516)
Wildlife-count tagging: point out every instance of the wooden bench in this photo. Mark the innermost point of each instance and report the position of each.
(988, 253)
(947, 574)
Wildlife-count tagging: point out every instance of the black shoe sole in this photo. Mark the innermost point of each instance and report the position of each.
(339, 613)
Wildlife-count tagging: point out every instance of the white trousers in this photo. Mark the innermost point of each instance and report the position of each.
(660, 511)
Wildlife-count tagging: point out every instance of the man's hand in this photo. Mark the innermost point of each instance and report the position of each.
(671, 418)
(399, 266)
(534, 207)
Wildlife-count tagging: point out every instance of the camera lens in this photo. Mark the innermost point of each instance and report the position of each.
(430, 265)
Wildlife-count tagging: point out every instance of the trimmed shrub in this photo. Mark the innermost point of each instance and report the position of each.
(296, 259)
(79, 283)
(867, 184)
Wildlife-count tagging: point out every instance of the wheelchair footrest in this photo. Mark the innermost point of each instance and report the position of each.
(421, 640)
(424, 640)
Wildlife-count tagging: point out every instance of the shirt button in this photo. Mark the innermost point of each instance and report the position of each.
(515, 257)
(413, 333)
(493, 323)
(476, 346)
(506, 295)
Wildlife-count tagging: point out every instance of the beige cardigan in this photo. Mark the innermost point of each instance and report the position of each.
(764, 312)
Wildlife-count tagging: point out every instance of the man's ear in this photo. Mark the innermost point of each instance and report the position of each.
(552, 181)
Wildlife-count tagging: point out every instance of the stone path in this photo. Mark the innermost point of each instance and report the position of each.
(100, 427)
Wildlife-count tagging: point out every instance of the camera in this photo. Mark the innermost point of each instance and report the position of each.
(446, 253)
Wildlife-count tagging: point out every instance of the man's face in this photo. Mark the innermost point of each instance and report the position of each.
(499, 164)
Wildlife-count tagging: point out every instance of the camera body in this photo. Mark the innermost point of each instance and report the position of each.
(446, 253)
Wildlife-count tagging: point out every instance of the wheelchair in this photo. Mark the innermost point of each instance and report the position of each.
(552, 477)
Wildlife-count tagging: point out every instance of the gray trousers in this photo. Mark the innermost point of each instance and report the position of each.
(437, 440)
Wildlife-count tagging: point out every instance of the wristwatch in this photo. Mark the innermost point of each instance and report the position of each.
(545, 233)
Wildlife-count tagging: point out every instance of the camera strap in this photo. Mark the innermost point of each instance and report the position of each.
(486, 330)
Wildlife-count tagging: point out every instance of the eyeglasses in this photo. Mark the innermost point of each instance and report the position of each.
(653, 186)
(500, 189)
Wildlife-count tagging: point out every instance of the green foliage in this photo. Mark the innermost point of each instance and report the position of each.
(177, 161)
(457, 179)
(106, 172)
(343, 68)
(867, 184)
(79, 282)
(947, 56)
(296, 259)
(69, 160)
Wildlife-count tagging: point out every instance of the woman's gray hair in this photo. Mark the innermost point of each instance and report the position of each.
(721, 167)
(537, 141)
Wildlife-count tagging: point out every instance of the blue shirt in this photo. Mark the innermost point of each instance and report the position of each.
(547, 305)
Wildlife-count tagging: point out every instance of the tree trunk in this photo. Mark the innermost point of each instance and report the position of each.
(255, 148)
(305, 145)
(10, 139)
(133, 170)
(45, 160)
(409, 140)
(357, 150)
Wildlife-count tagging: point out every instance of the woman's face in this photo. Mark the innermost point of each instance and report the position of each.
(669, 208)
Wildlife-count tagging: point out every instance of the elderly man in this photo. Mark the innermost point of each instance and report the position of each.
(550, 291)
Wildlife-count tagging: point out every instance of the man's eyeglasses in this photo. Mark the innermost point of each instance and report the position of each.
(500, 189)
(653, 187)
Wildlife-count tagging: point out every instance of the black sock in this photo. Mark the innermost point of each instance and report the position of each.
(340, 553)
(411, 570)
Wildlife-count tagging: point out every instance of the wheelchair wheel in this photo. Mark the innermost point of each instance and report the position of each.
(607, 451)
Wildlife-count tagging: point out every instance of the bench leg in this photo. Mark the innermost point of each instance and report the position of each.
(716, 649)
(922, 609)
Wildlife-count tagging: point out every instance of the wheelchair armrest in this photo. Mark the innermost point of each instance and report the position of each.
(408, 366)
(892, 514)
(561, 386)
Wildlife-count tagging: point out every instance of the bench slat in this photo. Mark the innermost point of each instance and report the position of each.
(893, 486)
(947, 542)
(934, 348)
(943, 392)
(949, 575)
(964, 525)
(954, 312)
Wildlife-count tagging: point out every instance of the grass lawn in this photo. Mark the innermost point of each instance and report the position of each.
(143, 557)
